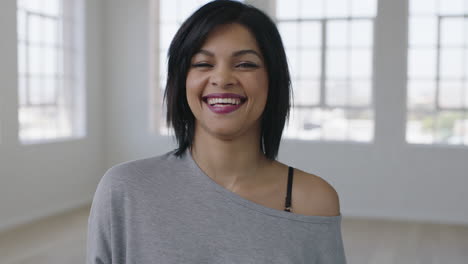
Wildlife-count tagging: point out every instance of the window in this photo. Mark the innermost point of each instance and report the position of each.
(50, 70)
(438, 72)
(329, 45)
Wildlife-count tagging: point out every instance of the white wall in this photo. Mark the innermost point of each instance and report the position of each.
(39, 180)
(127, 77)
(384, 179)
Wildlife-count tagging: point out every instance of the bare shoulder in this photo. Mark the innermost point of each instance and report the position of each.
(312, 195)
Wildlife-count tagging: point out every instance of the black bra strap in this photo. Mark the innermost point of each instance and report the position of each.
(289, 191)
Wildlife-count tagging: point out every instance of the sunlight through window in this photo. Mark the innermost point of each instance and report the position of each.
(438, 72)
(50, 76)
(329, 45)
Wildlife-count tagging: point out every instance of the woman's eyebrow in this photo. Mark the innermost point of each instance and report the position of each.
(248, 51)
(234, 54)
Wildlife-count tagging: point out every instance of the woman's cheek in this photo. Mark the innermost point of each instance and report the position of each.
(194, 91)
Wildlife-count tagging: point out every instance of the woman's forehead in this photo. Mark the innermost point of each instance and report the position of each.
(230, 38)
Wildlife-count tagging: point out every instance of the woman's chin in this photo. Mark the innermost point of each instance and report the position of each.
(225, 133)
(228, 130)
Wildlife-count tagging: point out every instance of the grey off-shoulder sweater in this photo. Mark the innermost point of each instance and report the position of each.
(166, 210)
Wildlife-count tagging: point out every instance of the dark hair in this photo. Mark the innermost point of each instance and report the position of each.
(189, 39)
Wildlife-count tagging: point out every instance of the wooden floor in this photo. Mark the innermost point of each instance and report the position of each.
(62, 239)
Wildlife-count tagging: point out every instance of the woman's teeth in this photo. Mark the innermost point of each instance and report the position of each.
(233, 101)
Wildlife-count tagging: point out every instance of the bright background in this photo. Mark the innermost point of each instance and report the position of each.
(382, 177)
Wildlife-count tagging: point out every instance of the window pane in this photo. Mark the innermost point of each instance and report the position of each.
(162, 69)
(166, 35)
(311, 9)
(337, 63)
(22, 58)
(465, 93)
(361, 33)
(445, 127)
(306, 92)
(423, 31)
(421, 94)
(423, 7)
(32, 5)
(35, 58)
(293, 62)
(287, 9)
(21, 25)
(304, 123)
(47, 7)
(452, 32)
(450, 94)
(22, 90)
(163, 62)
(460, 129)
(35, 86)
(49, 91)
(465, 32)
(363, 8)
(310, 34)
(310, 64)
(35, 29)
(187, 7)
(38, 123)
(360, 125)
(361, 93)
(335, 125)
(168, 11)
(50, 30)
(422, 63)
(337, 8)
(337, 34)
(361, 63)
(289, 34)
(51, 7)
(337, 92)
(451, 7)
(49, 65)
(420, 128)
(451, 63)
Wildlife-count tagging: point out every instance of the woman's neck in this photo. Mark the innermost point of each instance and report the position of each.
(232, 163)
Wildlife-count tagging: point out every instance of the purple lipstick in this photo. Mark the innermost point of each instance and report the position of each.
(224, 103)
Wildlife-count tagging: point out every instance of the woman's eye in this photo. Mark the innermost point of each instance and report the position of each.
(201, 65)
(248, 65)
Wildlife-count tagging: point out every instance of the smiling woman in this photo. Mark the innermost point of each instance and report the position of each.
(221, 196)
(228, 66)
(260, 38)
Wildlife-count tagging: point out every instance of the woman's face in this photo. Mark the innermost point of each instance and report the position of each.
(227, 83)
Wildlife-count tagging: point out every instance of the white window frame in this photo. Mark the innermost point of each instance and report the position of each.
(437, 108)
(67, 107)
(323, 62)
(323, 105)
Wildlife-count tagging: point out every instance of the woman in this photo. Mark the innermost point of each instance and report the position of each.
(220, 196)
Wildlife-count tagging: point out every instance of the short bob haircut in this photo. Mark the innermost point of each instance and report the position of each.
(190, 38)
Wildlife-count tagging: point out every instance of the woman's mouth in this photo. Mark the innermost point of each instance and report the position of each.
(224, 103)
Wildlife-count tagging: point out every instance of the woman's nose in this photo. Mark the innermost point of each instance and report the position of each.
(222, 77)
